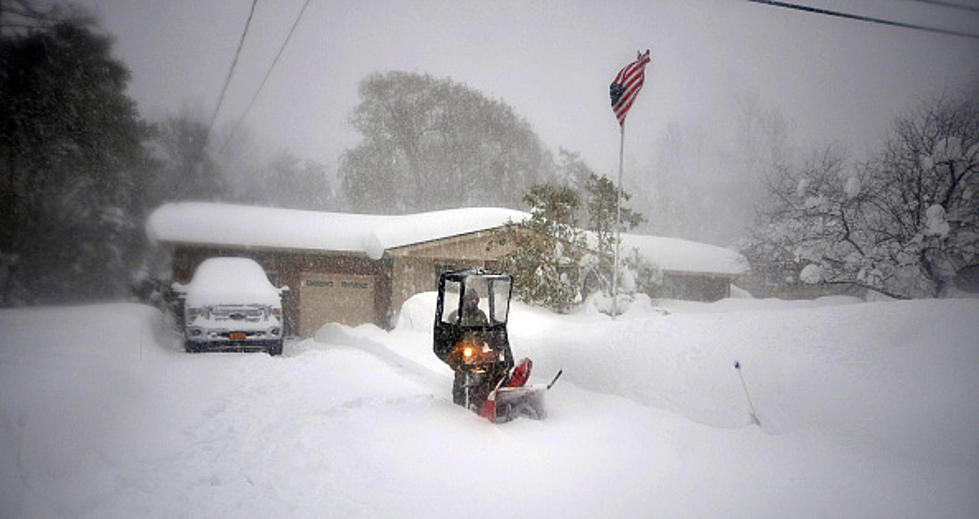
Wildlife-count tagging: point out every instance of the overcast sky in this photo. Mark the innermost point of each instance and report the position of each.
(836, 79)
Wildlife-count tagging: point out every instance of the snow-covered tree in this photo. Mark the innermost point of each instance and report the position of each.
(546, 248)
(72, 165)
(555, 261)
(929, 172)
(601, 205)
(599, 214)
(902, 224)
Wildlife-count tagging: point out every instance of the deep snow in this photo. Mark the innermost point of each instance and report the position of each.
(866, 409)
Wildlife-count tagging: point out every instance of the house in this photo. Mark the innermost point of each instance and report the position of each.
(356, 268)
(340, 267)
(691, 270)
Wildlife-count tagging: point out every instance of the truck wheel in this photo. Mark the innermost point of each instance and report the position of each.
(191, 347)
(275, 348)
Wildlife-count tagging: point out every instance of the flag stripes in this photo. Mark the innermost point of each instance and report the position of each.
(626, 86)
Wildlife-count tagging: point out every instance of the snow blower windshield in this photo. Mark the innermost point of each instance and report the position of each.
(477, 300)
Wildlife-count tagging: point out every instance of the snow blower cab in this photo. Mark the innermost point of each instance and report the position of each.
(470, 321)
(471, 337)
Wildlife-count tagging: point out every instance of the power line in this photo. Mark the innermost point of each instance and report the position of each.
(953, 5)
(231, 70)
(861, 18)
(267, 74)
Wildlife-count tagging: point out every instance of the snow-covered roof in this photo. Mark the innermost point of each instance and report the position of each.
(239, 225)
(680, 255)
(252, 226)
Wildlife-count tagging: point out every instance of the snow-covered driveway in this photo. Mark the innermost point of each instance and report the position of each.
(867, 410)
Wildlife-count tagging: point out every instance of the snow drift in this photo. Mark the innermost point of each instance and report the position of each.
(867, 410)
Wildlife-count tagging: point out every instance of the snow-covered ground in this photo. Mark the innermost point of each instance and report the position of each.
(866, 410)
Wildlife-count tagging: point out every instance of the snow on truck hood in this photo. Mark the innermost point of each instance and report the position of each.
(231, 281)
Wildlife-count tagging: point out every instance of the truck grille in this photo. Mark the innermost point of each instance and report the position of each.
(238, 313)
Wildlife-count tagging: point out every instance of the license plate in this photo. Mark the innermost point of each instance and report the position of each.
(236, 336)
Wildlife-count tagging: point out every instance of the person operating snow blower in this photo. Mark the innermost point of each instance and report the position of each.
(471, 337)
(471, 314)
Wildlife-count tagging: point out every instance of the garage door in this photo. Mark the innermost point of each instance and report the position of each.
(334, 298)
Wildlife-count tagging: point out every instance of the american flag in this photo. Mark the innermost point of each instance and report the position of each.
(626, 85)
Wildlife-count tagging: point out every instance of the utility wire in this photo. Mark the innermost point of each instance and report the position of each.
(231, 70)
(264, 79)
(818, 10)
(953, 5)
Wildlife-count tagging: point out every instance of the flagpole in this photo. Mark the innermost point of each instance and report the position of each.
(618, 217)
(622, 93)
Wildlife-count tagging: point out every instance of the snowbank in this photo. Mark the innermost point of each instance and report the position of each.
(866, 371)
(870, 373)
(867, 410)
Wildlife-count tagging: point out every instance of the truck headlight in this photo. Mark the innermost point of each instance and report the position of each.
(193, 312)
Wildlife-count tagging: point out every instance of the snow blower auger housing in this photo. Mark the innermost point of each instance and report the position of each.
(471, 337)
